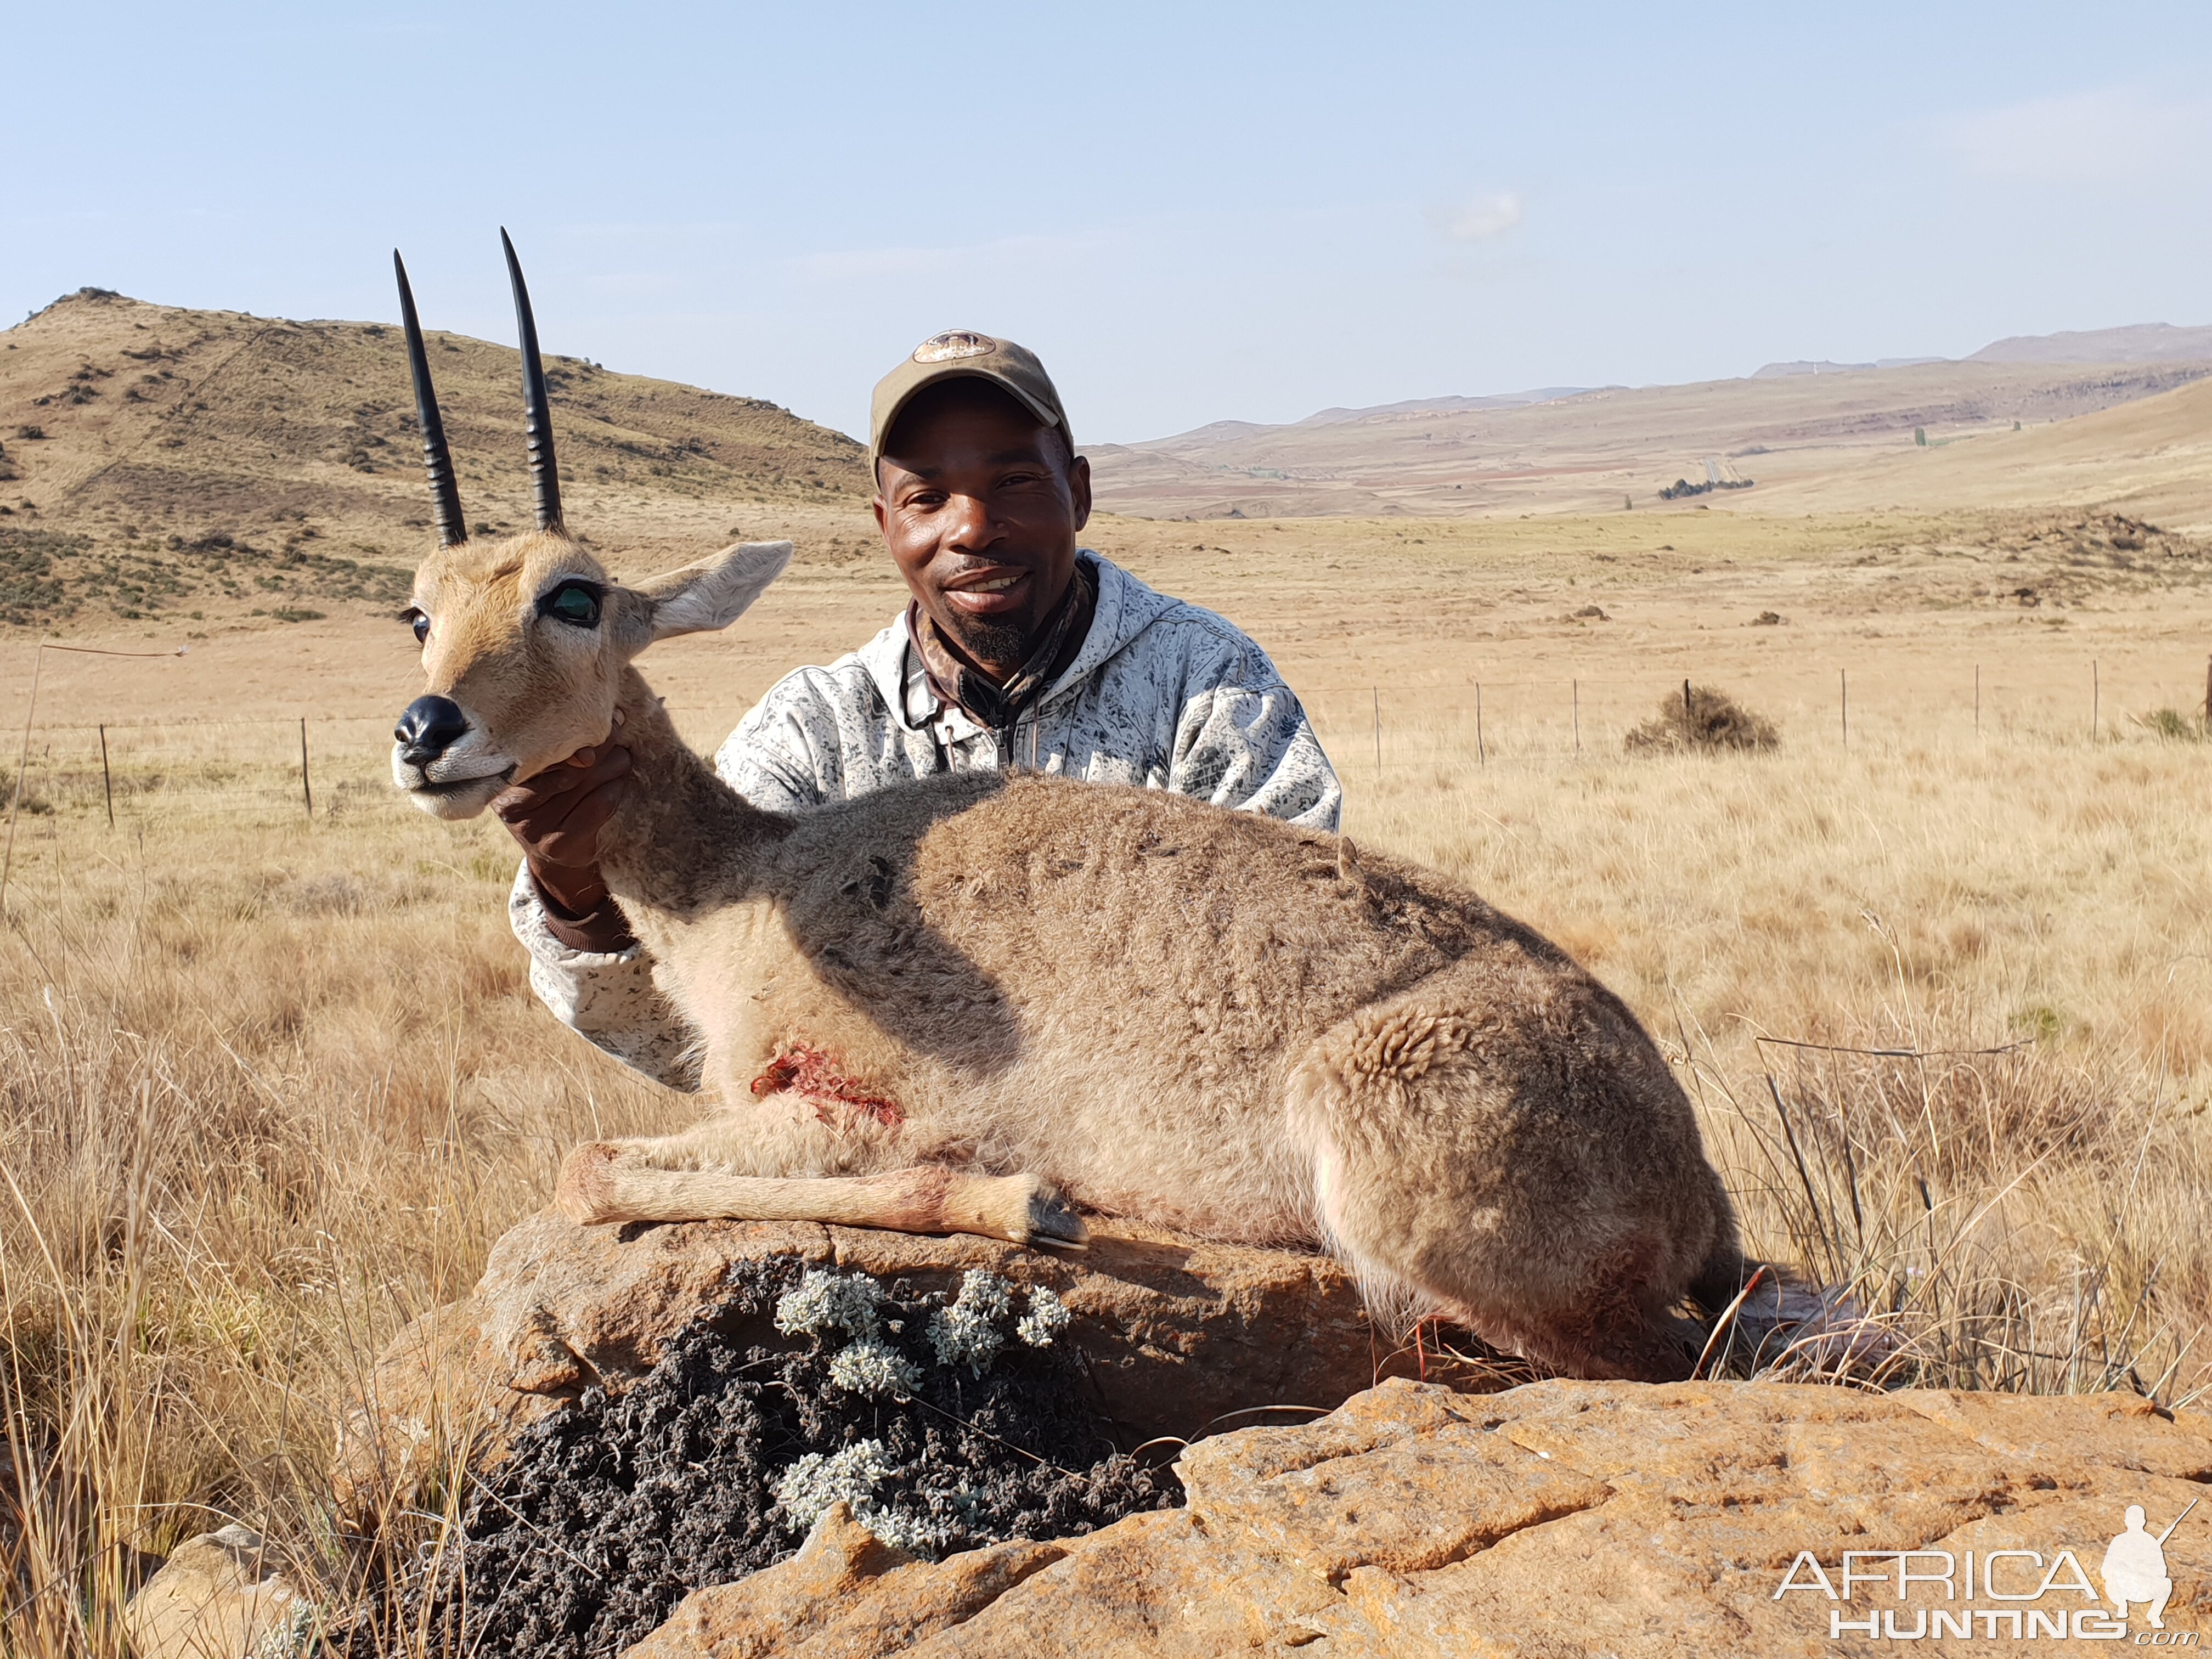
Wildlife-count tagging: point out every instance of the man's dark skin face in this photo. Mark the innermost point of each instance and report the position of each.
(979, 506)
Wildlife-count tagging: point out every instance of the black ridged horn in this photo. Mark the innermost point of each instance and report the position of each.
(545, 475)
(437, 461)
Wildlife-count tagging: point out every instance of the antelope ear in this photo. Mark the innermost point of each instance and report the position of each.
(715, 591)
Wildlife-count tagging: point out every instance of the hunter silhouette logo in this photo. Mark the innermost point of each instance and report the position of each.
(2135, 1566)
(2034, 1599)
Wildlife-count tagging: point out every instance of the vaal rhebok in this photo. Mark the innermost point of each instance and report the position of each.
(986, 1003)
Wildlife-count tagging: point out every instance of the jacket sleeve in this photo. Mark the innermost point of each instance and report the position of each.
(1245, 742)
(609, 998)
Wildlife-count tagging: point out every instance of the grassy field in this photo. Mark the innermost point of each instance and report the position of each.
(273, 1083)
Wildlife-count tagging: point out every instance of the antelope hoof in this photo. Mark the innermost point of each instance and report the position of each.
(1022, 1209)
(1052, 1222)
(585, 1192)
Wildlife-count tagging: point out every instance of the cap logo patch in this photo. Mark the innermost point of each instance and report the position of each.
(942, 348)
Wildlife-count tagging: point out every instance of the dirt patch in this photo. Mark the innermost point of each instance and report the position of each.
(947, 1422)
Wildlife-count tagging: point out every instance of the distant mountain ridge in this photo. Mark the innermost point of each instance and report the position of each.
(2138, 343)
(1802, 366)
(1616, 448)
(1451, 406)
(2141, 342)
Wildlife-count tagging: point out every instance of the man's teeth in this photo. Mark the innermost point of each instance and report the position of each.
(997, 585)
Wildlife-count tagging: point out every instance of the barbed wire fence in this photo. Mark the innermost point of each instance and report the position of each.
(1380, 727)
(318, 767)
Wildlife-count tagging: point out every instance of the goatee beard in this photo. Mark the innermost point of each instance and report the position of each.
(996, 643)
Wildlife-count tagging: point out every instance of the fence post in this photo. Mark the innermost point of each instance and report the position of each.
(1481, 755)
(1687, 718)
(306, 788)
(106, 778)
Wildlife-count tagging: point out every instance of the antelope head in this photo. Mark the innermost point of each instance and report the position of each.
(526, 638)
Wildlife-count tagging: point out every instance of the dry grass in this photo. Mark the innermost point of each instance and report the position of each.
(268, 1093)
(2003, 1145)
(272, 1088)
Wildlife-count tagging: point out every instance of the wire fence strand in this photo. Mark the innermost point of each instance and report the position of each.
(284, 767)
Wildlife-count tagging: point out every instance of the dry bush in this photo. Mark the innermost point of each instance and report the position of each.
(1703, 718)
(2173, 726)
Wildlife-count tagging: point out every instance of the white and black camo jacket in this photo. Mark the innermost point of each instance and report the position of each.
(1161, 694)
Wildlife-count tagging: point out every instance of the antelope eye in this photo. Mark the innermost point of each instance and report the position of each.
(418, 621)
(575, 603)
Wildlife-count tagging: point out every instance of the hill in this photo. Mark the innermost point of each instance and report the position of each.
(154, 458)
(1823, 366)
(2150, 458)
(1589, 450)
(2143, 342)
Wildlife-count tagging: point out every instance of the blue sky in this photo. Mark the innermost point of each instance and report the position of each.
(1193, 211)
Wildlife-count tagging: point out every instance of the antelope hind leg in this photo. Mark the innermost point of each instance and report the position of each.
(1560, 1221)
(605, 1182)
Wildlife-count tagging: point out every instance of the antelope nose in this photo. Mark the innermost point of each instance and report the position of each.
(429, 728)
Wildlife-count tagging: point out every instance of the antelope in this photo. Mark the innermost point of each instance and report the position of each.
(992, 1003)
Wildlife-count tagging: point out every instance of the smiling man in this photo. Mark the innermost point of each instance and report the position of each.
(1018, 647)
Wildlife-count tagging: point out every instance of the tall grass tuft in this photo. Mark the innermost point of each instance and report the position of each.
(2009, 1218)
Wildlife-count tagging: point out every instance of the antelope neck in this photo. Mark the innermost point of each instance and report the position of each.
(682, 840)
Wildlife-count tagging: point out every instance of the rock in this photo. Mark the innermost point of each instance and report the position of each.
(1409, 1501)
(840, 1563)
(1565, 1518)
(219, 1596)
(844, 1595)
(1175, 1332)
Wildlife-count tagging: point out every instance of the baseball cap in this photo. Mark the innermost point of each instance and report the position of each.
(958, 354)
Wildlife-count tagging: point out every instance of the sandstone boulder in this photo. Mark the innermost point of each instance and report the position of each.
(219, 1596)
(1558, 1518)
(1174, 1333)
(844, 1595)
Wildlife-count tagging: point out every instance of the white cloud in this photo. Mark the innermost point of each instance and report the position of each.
(1481, 218)
(2112, 135)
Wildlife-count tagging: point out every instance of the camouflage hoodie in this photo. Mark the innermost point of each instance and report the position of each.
(1161, 694)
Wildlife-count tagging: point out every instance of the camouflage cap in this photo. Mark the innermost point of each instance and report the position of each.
(961, 353)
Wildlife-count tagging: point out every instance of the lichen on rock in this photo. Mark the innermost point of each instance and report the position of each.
(1048, 1317)
(719, 1460)
(967, 1333)
(850, 1477)
(851, 1303)
(873, 1369)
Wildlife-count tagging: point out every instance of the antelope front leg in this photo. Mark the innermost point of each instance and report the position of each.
(606, 1182)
